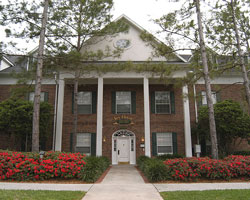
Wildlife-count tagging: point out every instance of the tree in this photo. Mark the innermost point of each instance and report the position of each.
(181, 25)
(230, 36)
(231, 123)
(72, 28)
(16, 119)
(36, 110)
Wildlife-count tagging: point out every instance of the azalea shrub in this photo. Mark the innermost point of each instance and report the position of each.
(29, 166)
(191, 169)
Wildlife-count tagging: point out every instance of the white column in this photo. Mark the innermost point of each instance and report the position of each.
(187, 126)
(99, 117)
(146, 117)
(59, 122)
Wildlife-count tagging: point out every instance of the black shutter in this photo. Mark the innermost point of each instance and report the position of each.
(153, 102)
(154, 145)
(71, 142)
(172, 102)
(93, 144)
(72, 102)
(174, 141)
(133, 102)
(199, 99)
(46, 96)
(113, 102)
(94, 102)
(218, 97)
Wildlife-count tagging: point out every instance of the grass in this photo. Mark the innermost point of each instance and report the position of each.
(208, 195)
(40, 195)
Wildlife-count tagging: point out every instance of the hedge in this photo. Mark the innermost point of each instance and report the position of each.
(190, 169)
(28, 166)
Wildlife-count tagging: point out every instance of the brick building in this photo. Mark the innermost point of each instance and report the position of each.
(125, 114)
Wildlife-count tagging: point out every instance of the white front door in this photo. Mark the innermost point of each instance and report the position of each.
(123, 149)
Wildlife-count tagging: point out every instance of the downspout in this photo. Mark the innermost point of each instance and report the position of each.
(55, 112)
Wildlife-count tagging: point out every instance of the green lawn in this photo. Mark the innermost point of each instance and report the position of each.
(208, 195)
(40, 195)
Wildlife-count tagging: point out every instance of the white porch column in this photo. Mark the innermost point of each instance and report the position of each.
(146, 117)
(99, 117)
(59, 121)
(187, 126)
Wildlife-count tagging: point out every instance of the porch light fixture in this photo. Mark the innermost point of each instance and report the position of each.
(104, 139)
(142, 139)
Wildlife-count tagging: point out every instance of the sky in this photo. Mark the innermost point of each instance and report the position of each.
(140, 11)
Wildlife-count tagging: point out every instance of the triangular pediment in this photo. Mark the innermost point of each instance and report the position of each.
(134, 48)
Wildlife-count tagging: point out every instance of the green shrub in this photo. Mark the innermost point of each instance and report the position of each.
(94, 168)
(140, 162)
(155, 170)
(169, 156)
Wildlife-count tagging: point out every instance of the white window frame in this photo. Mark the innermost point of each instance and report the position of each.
(116, 104)
(204, 97)
(84, 145)
(42, 96)
(157, 92)
(171, 142)
(90, 104)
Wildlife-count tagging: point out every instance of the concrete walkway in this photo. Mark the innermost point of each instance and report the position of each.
(123, 182)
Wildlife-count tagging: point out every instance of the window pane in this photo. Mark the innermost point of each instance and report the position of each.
(204, 99)
(32, 96)
(123, 97)
(123, 109)
(84, 98)
(162, 108)
(83, 140)
(162, 97)
(164, 149)
(84, 109)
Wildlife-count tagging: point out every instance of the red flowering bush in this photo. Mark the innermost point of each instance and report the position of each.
(193, 168)
(28, 166)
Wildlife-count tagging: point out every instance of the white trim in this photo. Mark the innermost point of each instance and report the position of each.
(187, 126)
(59, 123)
(99, 117)
(146, 117)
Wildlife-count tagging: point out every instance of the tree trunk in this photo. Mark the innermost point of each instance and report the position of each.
(76, 82)
(36, 110)
(241, 56)
(212, 126)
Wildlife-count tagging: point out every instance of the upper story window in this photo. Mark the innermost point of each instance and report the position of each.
(123, 102)
(204, 98)
(43, 96)
(162, 102)
(84, 103)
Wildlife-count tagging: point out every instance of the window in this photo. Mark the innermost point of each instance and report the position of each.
(123, 102)
(84, 103)
(43, 97)
(162, 102)
(164, 143)
(83, 143)
(204, 98)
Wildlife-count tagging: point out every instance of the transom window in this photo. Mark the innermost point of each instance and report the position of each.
(162, 102)
(123, 102)
(204, 98)
(84, 103)
(32, 96)
(164, 143)
(83, 143)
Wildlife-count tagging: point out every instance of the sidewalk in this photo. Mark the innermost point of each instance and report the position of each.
(123, 182)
